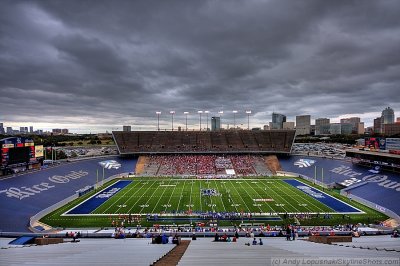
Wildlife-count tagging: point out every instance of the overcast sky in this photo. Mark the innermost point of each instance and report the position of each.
(98, 65)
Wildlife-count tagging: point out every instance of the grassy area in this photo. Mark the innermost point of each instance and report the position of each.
(180, 196)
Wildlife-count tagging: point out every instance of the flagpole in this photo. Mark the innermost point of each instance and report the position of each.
(315, 174)
(97, 178)
(102, 183)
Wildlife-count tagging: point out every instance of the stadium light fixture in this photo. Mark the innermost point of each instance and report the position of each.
(172, 116)
(200, 112)
(158, 120)
(248, 112)
(234, 118)
(186, 114)
(207, 112)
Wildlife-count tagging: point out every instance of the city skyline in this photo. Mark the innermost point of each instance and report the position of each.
(95, 66)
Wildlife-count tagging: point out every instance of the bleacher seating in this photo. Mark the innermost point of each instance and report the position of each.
(87, 252)
(205, 252)
(195, 164)
(241, 141)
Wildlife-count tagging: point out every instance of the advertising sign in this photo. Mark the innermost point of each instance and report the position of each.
(39, 151)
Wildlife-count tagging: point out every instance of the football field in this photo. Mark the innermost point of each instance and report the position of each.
(186, 196)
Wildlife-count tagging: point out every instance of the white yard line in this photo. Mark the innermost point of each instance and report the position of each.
(164, 189)
(274, 193)
(150, 197)
(223, 205)
(241, 197)
(169, 200)
(112, 205)
(299, 193)
(251, 198)
(260, 195)
(180, 197)
(230, 197)
(141, 196)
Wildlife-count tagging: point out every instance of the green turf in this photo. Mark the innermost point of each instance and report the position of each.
(150, 195)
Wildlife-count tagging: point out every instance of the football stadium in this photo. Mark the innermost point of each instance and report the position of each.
(193, 189)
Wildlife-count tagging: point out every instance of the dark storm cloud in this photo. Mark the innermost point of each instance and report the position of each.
(108, 63)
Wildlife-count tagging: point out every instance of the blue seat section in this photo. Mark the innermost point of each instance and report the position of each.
(23, 240)
(322, 197)
(99, 198)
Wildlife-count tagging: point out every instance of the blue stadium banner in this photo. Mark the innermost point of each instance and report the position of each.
(382, 144)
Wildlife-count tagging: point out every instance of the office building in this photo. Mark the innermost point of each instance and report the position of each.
(126, 128)
(387, 116)
(335, 129)
(354, 121)
(2, 131)
(64, 131)
(360, 128)
(31, 129)
(303, 125)
(9, 131)
(266, 127)
(377, 125)
(322, 126)
(391, 129)
(288, 125)
(215, 123)
(277, 121)
(346, 128)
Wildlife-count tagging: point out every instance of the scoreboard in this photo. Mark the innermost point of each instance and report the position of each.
(17, 150)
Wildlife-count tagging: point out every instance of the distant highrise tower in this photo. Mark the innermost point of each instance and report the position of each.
(215, 123)
(377, 125)
(322, 126)
(31, 129)
(2, 129)
(387, 118)
(354, 121)
(303, 124)
(277, 121)
(126, 128)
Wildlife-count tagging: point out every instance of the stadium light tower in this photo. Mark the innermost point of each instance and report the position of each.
(158, 120)
(207, 112)
(200, 112)
(186, 114)
(248, 112)
(220, 115)
(234, 118)
(172, 117)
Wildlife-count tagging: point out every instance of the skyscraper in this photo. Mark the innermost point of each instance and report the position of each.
(303, 124)
(2, 129)
(277, 121)
(215, 123)
(322, 126)
(386, 118)
(354, 121)
(377, 125)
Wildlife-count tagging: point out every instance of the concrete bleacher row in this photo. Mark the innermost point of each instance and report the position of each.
(275, 250)
(263, 141)
(86, 252)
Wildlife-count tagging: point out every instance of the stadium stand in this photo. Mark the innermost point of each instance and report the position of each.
(242, 141)
(206, 252)
(183, 165)
(87, 252)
